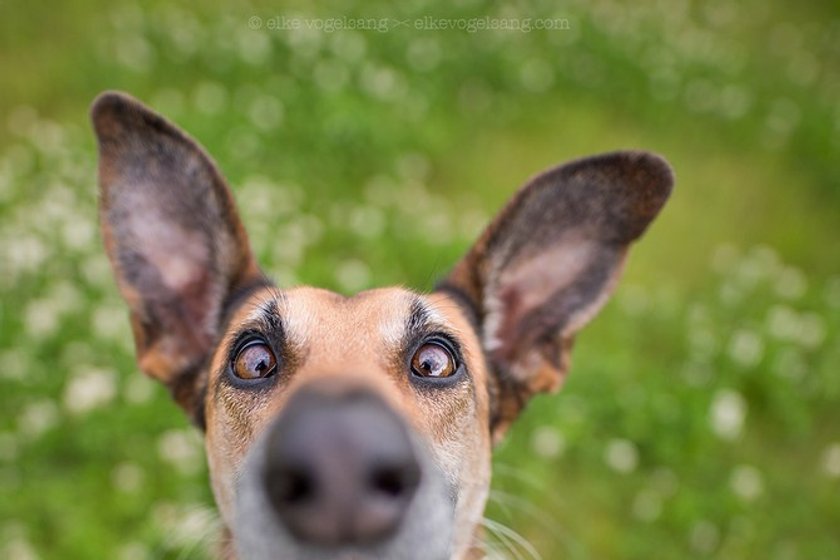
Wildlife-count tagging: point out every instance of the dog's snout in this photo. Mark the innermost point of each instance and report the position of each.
(340, 469)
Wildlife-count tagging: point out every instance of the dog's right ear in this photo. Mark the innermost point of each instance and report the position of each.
(548, 262)
(174, 239)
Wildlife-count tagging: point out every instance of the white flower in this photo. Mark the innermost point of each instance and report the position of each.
(548, 442)
(127, 477)
(97, 271)
(704, 537)
(181, 449)
(187, 524)
(536, 75)
(621, 455)
(134, 52)
(423, 54)
(349, 45)
(746, 348)
(88, 390)
(266, 112)
(78, 234)
(254, 48)
(747, 483)
(647, 505)
(785, 323)
(381, 82)
(210, 97)
(139, 389)
(37, 418)
(111, 323)
(811, 330)
(665, 482)
(413, 166)
(727, 414)
(353, 275)
(21, 253)
(831, 460)
(16, 364)
(19, 549)
(41, 318)
(366, 221)
(782, 322)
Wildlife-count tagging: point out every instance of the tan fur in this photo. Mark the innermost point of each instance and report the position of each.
(323, 323)
(540, 271)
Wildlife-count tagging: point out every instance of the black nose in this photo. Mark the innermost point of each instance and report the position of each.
(340, 469)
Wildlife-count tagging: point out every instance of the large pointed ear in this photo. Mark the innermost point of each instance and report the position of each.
(547, 264)
(174, 239)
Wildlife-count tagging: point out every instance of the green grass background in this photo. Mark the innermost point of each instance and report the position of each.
(702, 415)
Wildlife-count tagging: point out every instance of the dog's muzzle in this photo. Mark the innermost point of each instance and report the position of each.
(340, 469)
(339, 474)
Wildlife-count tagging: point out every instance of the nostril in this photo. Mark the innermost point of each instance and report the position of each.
(388, 481)
(340, 470)
(395, 481)
(291, 486)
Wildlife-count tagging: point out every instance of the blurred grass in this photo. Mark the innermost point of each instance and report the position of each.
(700, 419)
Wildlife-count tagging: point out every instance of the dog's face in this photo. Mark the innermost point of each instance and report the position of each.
(355, 427)
(349, 369)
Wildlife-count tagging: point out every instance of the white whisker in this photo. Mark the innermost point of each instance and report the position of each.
(513, 537)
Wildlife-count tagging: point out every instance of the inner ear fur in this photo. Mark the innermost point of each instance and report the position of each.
(547, 264)
(173, 237)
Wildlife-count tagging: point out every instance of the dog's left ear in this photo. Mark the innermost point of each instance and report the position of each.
(174, 238)
(547, 264)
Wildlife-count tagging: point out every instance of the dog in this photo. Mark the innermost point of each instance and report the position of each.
(361, 427)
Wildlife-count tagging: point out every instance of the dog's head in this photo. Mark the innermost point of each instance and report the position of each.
(355, 427)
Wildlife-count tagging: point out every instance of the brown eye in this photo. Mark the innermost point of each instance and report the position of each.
(254, 361)
(433, 360)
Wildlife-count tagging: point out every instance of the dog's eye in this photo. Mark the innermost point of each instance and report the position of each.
(433, 360)
(254, 361)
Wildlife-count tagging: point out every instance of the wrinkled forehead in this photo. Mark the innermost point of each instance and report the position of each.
(313, 317)
(331, 327)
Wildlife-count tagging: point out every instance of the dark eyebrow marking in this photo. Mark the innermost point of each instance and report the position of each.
(418, 318)
(266, 322)
(421, 323)
(269, 319)
(263, 319)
